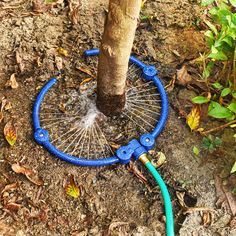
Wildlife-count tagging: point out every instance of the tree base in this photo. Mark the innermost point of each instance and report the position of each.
(110, 105)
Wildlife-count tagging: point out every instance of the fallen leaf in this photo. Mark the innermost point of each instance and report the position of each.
(115, 225)
(225, 198)
(134, 169)
(62, 52)
(186, 209)
(10, 133)
(59, 62)
(86, 72)
(62, 107)
(196, 150)
(8, 106)
(18, 57)
(193, 118)
(114, 146)
(12, 82)
(12, 206)
(39, 62)
(35, 179)
(72, 189)
(169, 87)
(30, 174)
(43, 214)
(183, 77)
(10, 187)
(3, 103)
(40, 7)
(73, 11)
(21, 169)
(5, 229)
(19, 61)
(85, 81)
(206, 218)
(142, 3)
(1, 116)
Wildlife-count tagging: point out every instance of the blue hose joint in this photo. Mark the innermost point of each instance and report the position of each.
(124, 154)
(41, 136)
(135, 148)
(138, 149)
(149, 72)
(147, 141)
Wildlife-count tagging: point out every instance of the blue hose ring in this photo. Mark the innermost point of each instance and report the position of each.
(41, 136)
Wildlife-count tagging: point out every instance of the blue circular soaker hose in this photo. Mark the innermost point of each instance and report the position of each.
(135, 148)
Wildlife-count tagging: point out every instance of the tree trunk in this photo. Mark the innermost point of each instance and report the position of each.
(115, 50)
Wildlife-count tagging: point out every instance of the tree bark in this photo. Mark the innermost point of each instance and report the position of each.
(114, 56)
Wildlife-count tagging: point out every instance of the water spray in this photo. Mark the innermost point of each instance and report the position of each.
(136, 148)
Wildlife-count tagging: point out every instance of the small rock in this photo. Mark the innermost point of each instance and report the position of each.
(20, 233)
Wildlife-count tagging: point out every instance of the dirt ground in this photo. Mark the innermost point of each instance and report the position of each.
(113, 200)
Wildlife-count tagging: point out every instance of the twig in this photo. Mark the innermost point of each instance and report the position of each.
(219, 127)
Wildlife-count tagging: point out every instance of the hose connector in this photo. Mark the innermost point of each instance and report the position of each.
(135, 148)
(144, 159)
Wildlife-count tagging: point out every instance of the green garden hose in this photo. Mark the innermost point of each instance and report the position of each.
(165, 194)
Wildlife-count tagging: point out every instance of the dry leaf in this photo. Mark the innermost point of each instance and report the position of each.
(62, 52)
(72, 189)
(3, 104)
(225, 198)
(35, 179)
(30, 174)
(8, 106)
(59, 62)
(5, 229)
(12, 206)
(43, 214)
(1, 116)
(74, 10)
(10, 133)
(114, 145)
(12, 82)
(206, 218)
(10, 187)
(193, 118)
(21, 169)
(85, 81)
(183, 77)
(134, 169)
(86, 72)
(180, 196)
(186, 209)
(40, 7)
(19, 61)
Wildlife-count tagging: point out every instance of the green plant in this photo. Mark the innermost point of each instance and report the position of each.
(221, 40)
(210, 143)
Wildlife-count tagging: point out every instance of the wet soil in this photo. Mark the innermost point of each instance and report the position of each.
(113, 200)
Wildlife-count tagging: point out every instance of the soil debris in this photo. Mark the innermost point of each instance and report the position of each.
(12, 82)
